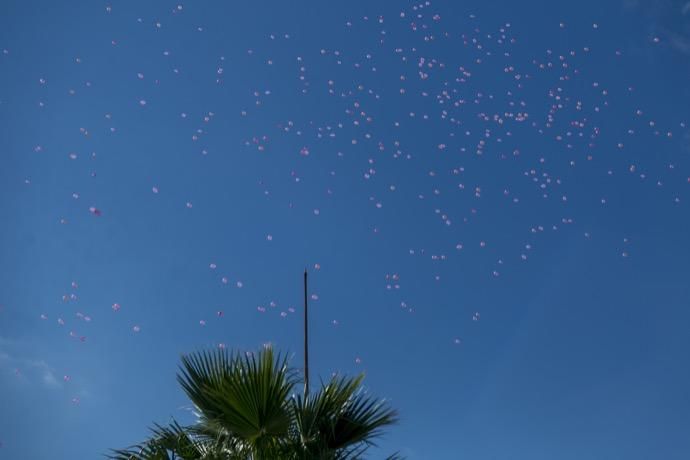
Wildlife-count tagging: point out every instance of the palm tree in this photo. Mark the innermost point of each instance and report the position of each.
(247, 410)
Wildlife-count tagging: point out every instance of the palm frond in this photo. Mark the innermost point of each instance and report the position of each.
(340, 418)
(241, 396)
(166, 443)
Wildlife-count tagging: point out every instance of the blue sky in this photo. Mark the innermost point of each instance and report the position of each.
(491, 199)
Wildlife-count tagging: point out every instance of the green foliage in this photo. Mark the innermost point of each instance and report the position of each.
(247, 410)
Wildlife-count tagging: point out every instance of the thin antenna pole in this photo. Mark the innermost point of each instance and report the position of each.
(306, 338)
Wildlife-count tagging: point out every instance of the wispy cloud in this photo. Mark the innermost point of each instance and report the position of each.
(678, 41)
(30, 369)
(669, 19)
(46, 372)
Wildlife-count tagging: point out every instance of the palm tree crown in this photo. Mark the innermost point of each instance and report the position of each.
(247, 410)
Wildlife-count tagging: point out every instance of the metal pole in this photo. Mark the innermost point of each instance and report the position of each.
(306, 339)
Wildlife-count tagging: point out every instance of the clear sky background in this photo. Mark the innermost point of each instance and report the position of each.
(491, 197)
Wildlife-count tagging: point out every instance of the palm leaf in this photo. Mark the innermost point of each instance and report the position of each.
(241, 397)
(166, 442)
(340, 420)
